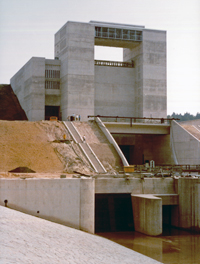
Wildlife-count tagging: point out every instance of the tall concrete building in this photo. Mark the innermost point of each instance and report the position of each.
(76, 83)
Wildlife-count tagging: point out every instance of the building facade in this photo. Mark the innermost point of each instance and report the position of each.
(76, 83)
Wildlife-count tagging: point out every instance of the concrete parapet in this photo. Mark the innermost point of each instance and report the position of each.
(134, 185)
(65, 201)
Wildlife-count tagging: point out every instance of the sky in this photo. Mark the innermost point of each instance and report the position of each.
(27, 29)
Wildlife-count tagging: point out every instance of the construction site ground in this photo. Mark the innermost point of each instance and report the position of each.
(47, 148)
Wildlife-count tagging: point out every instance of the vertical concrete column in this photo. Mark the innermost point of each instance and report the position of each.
(150, 74)
(87, 205)
(154, 73)
(189, 205)
(74, 46)
(136, 54)
(147, 214)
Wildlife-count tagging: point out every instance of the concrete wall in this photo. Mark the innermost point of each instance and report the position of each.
(74, 45)
(189, 205)
(114, 91)
(65, 201)
(29, 86)
(135, 185)
(186, 147)
(150, 67)
(147, 213)
(152, 147)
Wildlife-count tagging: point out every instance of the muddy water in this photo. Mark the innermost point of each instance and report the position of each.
(173, 247)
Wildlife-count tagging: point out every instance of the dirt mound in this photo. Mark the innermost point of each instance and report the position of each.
(10, 108)
(22, 170)
(47, 147)
(25, 144)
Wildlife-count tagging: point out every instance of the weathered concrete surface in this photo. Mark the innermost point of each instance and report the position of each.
(135, 185)
(27, 239)
(189, 203)
(147, 212)
(185, 146)
(66, 201)
(150, 74)
(29, 86)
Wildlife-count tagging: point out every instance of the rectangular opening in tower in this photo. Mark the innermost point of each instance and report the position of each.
(108, 53)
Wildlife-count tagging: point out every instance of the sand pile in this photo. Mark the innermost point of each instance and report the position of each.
(25, 144)
(47, 148)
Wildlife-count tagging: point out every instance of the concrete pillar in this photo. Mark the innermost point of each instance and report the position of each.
(74, 46)
(150, 74)
(189, 205)
(87, 205)
(147, 214)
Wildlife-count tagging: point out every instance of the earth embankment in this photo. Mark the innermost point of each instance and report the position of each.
(10, 108)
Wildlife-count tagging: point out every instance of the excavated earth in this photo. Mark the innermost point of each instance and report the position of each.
(47, 148)
(10, 108)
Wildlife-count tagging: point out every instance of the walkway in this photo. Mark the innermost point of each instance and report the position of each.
(26, 239)
(86, 149)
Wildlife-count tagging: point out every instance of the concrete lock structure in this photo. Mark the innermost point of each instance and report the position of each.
(74, 82)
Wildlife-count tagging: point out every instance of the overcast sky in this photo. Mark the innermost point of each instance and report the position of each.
(27, 29)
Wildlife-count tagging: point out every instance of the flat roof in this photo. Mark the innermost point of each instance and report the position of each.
(116, 25)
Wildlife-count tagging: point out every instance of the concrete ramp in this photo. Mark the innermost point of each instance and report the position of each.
(85, 147)
(185, 142)
(28, 239)
(193, 127)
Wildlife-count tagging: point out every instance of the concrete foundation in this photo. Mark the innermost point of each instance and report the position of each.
(72, 201)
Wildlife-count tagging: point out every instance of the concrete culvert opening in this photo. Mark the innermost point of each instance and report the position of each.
(113, 212)
(22, 170)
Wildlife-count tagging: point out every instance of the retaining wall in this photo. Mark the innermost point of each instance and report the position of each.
(66, 201)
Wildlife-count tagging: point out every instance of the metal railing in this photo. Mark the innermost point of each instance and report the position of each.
(132, 120)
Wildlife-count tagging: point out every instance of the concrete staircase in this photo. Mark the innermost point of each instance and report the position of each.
(85, 147)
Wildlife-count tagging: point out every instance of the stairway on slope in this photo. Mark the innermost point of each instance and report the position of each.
(99, 144)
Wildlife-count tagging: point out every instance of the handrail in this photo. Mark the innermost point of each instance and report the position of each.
(133, 119)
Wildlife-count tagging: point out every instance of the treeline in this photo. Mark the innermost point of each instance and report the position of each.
(185, 117)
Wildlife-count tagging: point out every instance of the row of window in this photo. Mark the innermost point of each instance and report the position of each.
(52, 85)
(117, 33)
(52, 74)
(114, 63)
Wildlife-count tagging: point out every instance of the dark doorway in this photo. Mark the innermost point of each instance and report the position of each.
(126, 151)
(51, 111)
(170, 219)
(113, 212)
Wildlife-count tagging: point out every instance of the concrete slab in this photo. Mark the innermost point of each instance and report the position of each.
(27, 239)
